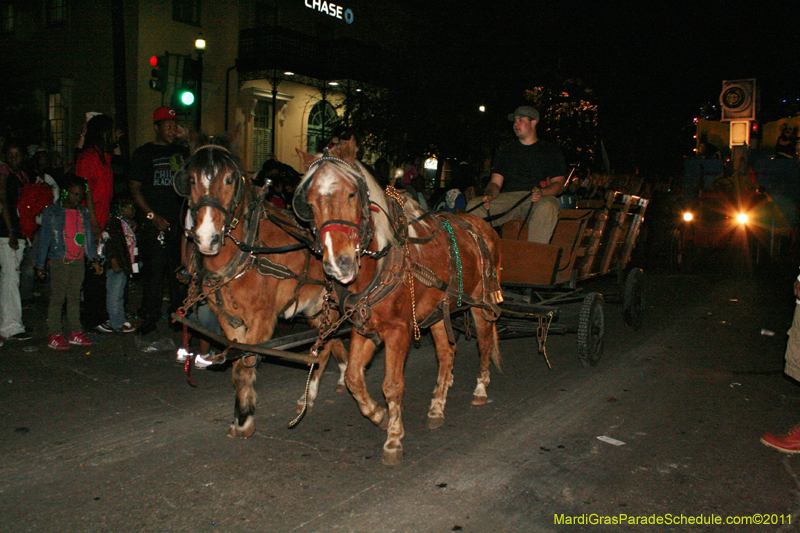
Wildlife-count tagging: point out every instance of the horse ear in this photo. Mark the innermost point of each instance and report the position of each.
(346, 151)
(305, 159)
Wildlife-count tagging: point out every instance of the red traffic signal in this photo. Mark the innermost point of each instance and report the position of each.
(160, 72)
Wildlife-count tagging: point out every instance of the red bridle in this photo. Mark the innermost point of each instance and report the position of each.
(350, 228)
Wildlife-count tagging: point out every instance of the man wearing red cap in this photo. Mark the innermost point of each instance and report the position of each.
(152, 169)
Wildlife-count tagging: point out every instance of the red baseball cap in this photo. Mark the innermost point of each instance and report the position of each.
(164, 113)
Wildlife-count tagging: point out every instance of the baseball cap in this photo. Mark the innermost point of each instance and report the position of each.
(164, 113)
(524, 111)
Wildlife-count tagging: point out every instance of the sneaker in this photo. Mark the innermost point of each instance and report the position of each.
(57, 342)
(788, 443)
(127, 327)
(202, 362)
(105, 327)
(21, 336)
(79, 339)
(182, 355)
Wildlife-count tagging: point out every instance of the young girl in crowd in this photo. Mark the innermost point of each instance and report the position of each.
(122, 262)
(66, 238)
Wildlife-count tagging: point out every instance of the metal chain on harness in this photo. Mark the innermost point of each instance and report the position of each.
(326, 329)
(541, 335)
(408, 280)
(408, 275)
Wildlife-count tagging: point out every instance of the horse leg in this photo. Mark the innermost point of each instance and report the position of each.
(341, 355)
(361, 352)
(398, 342)
(244, 376)
(445, 352)
(336, 347)
(489, 350)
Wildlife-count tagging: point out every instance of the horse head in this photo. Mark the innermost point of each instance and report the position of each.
(215, 186)
(339, 198)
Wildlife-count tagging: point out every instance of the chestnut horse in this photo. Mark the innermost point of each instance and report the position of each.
(396, 269)
(249, 291)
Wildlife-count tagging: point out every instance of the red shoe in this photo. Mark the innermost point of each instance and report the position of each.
(58, 342)
(788, 443)
(79, 339)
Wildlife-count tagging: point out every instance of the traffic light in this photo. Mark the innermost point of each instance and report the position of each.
(186, 95)
(160, 73)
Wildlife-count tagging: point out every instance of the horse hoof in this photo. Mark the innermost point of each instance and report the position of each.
(435, 422)
(242, 432)
(382, 419)
(341, 388)
(478, 400)
(393, 457)
(299, 408)
(384, 423)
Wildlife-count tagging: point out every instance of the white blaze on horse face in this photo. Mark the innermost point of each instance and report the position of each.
(205, 232)
(329, 253)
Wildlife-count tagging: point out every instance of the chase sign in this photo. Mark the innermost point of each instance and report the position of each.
(331, 9)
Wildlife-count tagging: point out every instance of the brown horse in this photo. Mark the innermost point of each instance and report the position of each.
(395, 270)
(247, 291)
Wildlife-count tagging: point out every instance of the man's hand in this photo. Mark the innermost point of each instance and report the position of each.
(797, 289)
(40, 273)
(536, 194)
(160, 222)
(98, 268)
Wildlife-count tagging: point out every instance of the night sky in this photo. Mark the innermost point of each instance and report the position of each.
(650, 64)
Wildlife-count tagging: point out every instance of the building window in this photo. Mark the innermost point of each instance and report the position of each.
(262, 133)
(7, 18)
(321, 121)
(56, 12)
(56, 115)
(186, 11)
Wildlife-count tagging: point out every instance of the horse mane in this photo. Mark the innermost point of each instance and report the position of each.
(384, 232)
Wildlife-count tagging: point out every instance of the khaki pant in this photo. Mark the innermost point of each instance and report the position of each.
(542, 221)
(66, 278)
(793, 347)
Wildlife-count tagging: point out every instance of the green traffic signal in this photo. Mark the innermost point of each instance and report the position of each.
(187, 98)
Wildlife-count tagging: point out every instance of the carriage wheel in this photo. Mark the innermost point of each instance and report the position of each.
(591, 329)
(633, 298)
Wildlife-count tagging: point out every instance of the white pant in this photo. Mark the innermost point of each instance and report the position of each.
(793, 347)
(10, 304)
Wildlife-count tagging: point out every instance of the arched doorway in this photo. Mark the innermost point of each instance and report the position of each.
(321, 121)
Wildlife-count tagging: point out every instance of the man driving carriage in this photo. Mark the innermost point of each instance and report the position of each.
(530, 168)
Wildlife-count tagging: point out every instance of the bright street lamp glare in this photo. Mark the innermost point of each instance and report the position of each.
(187, 98)
(741, 218)
(687, 216)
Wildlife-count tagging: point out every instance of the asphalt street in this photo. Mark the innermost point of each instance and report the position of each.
(112, 438)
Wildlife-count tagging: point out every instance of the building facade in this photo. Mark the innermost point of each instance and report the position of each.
(279, 71)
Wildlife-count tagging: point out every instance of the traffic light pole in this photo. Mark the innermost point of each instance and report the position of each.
(199, 89)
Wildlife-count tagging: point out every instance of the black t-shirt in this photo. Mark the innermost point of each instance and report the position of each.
(524, 167)
(154, 165)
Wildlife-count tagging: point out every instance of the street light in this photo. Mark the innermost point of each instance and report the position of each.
(199, 47)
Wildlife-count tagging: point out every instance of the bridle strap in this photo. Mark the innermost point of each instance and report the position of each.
(351, 229)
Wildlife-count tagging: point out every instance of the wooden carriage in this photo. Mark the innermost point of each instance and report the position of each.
(541, 280)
